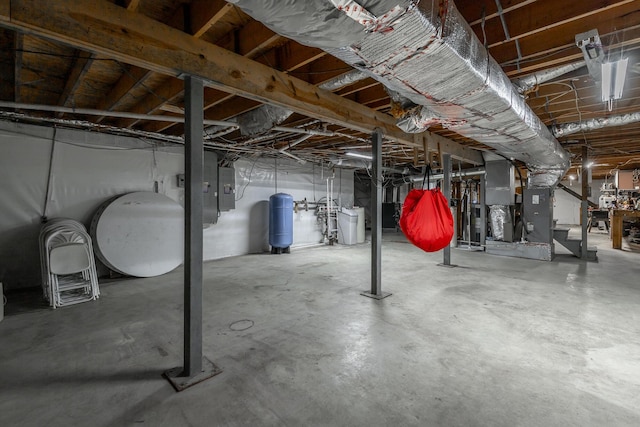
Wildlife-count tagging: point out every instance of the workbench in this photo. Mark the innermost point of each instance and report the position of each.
(617, 216)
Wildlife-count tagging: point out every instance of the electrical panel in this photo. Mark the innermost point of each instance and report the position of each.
(226, 189)
(210, 188)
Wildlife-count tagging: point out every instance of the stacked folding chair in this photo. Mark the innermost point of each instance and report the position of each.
(67, 263)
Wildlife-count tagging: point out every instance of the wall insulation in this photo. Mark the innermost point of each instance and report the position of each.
(88, 168)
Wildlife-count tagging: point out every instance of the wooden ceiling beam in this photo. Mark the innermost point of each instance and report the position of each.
(132, 5)
(203, 15)
(79, 69)
(17, 66)
(606, 22)
(473, 9)
(106, 29)
(152, 102)
(543, 15)
(253, 39)
(207, 13)
(7, 65)
(130, 79)
(298, 60)
(249, 41)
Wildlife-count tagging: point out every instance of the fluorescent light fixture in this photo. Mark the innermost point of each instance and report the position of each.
(359, 155)
(621, 73)
(613, 76)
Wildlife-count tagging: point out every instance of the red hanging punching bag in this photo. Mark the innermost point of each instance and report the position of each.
(426, 219)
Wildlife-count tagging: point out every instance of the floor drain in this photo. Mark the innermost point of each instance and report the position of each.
(241, 325)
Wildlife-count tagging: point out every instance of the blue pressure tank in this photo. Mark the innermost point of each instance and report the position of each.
(280, 222)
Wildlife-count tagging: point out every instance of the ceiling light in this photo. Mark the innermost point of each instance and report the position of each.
(359, 155)
(613, 76)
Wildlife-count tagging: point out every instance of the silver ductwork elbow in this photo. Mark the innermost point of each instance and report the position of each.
(530, 82)
(265, 117)
(430, 56)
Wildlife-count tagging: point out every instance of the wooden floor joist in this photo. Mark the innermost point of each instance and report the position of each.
(104, 28)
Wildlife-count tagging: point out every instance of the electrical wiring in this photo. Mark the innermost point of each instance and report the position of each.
(249, 179)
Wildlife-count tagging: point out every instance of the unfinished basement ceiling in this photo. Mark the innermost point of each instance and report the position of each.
(524, 37)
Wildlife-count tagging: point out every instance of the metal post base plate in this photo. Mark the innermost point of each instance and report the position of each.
(174, 376)
(374, 296)
(447, 265)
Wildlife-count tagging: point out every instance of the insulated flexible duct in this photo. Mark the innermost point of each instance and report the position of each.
(593, 124)
(426, 52)
(265, 117)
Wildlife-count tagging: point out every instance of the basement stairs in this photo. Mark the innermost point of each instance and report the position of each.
(561, 235)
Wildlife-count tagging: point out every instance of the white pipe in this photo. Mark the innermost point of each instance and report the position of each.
(119, 114)
(303, 131)
(298, 159)
(161, 118)
(222, 132)
(468, 172)
(296, 142)
(121, 131)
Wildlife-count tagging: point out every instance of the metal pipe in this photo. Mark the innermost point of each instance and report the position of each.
(312, 132)
(584, 203)
(376, 215)
(593, 124)
(446, 189)
(293, 156)
(122, 131)
(293, 144)
(483, 210)
(531, 81)
(296, 142)
(466, 172)
(119, 114)
(220, 133)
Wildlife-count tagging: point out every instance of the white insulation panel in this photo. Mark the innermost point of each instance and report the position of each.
(89, 168)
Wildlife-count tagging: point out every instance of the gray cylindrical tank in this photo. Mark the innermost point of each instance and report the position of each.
(280, 222)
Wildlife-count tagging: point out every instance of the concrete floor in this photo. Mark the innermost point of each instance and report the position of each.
(496, 342)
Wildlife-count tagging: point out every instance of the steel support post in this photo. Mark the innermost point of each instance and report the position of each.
(196, 368)
(376, 219)
(446, 190)
(483, 210)
(585, 201)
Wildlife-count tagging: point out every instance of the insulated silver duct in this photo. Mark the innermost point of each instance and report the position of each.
(267, 116)
(429, 55)
(593, 124)
(531, 81)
